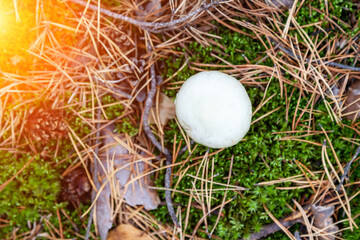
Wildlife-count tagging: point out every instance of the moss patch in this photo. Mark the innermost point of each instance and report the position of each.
(263, 155)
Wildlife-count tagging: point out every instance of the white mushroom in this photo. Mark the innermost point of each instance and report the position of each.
(214, 109)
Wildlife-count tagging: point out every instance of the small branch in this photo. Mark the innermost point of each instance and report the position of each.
(115, 92)
(95, 176)
(347, 169)
(287, 222)
(273, 228)
(149, 26)
(151, 136)
(185, 148)
(333, 64)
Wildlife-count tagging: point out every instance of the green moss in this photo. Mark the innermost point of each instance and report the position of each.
(239, 49)
(32, 191)
(117, 110)
(245, 214)
(309, 14)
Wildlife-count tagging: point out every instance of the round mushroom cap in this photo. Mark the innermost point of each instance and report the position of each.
(214, 109)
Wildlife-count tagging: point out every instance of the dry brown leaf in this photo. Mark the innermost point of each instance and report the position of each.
(138, 192)
(116, 158)
(322, 215)
(153, 6)
(150, 7)
(281, 3)
(103, 212)
(353, 101)
(127, 232)
(166, 110)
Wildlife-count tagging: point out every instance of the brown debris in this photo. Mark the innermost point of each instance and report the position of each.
(157, 144)
(353, 101)
(286, 222)
(122, 62)
(281, 3)
(76, 187)
(127, 232)
(166, 110)
(322, 219)
(128, 167)
(122, 38)
(117, 170)
(45, 125)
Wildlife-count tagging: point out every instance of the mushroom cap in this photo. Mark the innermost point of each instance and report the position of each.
(214, 109)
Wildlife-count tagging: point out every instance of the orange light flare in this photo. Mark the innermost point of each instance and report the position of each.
(2, 21)
(32, 26)
(14, 36)
(5, 20)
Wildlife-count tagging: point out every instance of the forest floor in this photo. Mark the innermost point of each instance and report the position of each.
(90, 147)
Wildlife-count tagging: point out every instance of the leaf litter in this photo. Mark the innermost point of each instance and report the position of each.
(166, 111)
(121, 167)
(123, 175)
(127, 232)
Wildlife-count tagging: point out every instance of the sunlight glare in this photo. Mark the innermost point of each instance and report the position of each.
(3, 21)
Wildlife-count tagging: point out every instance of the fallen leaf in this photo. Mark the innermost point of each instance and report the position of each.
(166, 110)
(149, 7)
(322, 219)
(103, 212)
(153, 6)
(138, 192)
(353, 101)
(115, 158)
(280, 3)
(127, 232)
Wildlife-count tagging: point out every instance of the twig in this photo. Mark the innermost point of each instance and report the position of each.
(273, 228)
(164, 150)
(334, 64)
(115, 92)
(185, 148)
(287, 222)
(322, 31)
(95, 177)
(149, 26)
(347, 169)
